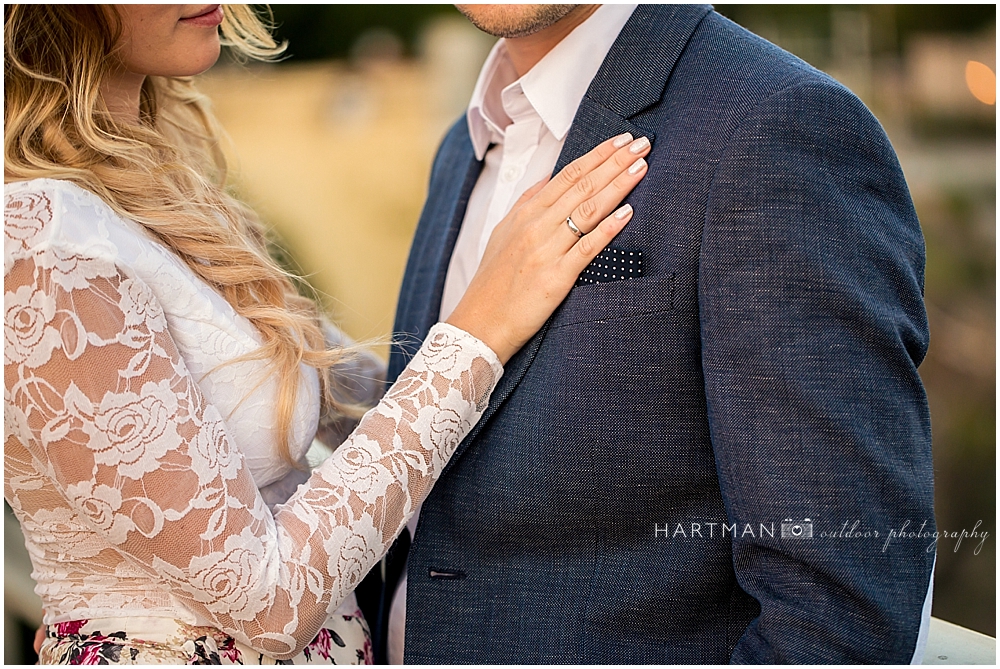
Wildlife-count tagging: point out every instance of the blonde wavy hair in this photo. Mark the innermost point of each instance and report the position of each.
(166, 173)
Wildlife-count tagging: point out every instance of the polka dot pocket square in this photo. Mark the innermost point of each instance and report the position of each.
(612, 264)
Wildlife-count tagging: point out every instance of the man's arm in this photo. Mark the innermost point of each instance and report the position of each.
(813, 325)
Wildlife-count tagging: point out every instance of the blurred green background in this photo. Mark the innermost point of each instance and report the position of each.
(333, 146)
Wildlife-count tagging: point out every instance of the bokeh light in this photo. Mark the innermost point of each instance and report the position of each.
(982, 82)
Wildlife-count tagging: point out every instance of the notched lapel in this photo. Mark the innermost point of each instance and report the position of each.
(638, 65)
(633, 76)
(592, 125)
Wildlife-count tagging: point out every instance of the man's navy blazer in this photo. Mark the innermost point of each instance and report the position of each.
(623, 499)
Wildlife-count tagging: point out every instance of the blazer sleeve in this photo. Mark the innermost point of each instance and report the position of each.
(813, 325)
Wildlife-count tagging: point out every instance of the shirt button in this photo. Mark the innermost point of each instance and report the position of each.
(511, 174)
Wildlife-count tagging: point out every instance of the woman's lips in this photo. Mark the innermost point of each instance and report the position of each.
(210, 18)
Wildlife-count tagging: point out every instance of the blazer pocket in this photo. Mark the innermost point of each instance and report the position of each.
(617, 299)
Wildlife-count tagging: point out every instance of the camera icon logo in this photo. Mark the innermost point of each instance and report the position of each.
(793, 530)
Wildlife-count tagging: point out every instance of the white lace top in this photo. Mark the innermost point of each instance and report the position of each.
(134, 461)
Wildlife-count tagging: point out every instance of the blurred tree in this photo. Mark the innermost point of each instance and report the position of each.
(895, 23)
(329, 31)
(317, 31)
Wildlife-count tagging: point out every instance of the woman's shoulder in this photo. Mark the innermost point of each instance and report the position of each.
(34, 193)
(29, 214)
(40, 214)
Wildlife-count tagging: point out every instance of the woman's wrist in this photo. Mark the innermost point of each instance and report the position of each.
(477, 327)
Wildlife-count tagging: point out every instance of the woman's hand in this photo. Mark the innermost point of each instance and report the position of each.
(534, 257)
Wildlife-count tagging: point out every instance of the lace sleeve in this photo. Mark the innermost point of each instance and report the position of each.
(99, 395)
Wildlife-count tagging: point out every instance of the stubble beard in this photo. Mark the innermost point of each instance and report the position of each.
(514, 20)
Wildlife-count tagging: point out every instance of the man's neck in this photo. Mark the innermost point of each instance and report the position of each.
(525, 52)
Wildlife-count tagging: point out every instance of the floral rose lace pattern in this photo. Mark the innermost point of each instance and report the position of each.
(131, 494)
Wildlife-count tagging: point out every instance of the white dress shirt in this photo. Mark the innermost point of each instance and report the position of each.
(526, 121)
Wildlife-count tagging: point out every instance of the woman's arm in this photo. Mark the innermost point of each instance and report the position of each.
(98, 392)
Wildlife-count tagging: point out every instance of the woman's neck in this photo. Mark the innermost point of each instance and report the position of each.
(121, 91)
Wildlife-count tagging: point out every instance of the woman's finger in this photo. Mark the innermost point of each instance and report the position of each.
(580, 168)
(588, 246)
(596, 195)
(589, 213)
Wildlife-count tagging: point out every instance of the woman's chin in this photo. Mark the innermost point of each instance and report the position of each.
(208, 66)
(194, 63)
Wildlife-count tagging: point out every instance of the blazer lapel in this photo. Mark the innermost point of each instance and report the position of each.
(635, 72)
(433, 244)
(592, 125)
(632, 78)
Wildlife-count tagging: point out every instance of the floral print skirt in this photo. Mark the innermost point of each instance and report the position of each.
(344, 639)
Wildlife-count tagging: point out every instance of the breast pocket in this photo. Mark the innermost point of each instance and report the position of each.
(618, 299)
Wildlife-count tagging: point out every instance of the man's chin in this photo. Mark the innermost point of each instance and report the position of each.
(511, 21)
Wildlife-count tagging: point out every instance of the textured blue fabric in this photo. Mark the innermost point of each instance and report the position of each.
(763, 368)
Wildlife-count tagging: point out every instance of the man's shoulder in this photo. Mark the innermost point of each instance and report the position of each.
(728, 74)
(747, 68)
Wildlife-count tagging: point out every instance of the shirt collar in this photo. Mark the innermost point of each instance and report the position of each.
(555, 86)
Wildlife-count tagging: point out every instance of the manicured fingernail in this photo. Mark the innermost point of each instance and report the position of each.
(639, 145)
(637, 166)
(624, 212)
(622, 140)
